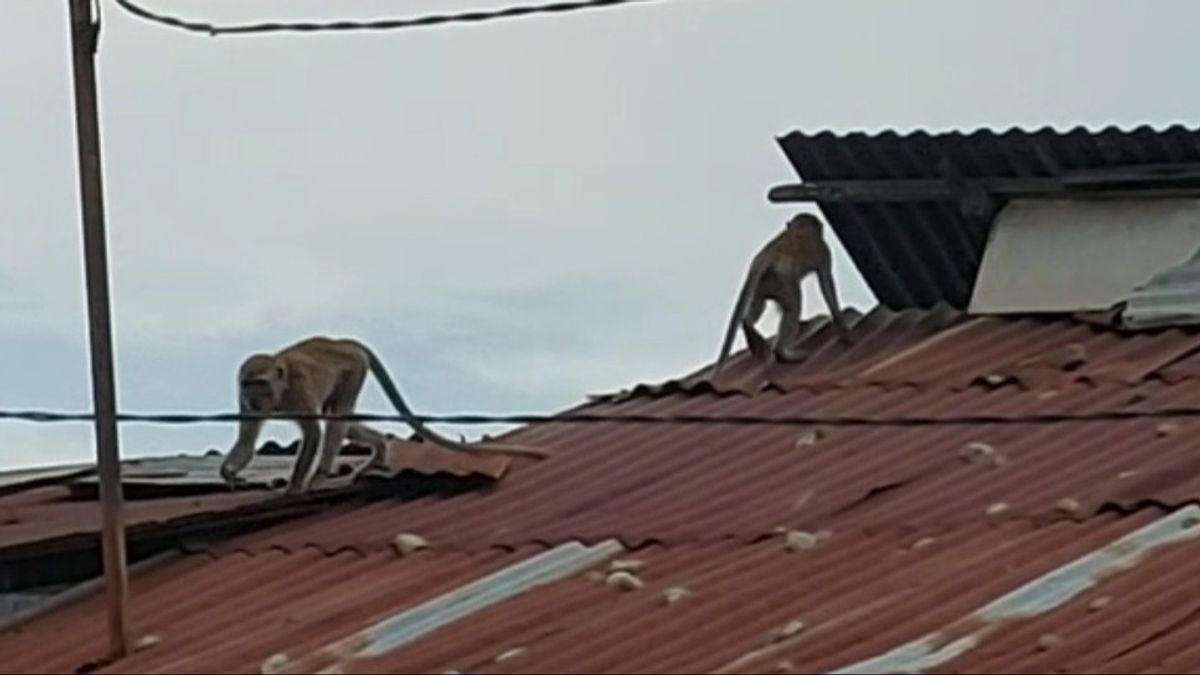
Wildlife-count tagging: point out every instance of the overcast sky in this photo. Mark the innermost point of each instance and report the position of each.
(514, 214)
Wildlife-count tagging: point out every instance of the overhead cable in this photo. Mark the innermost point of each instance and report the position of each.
(50, 417)
(345, 25)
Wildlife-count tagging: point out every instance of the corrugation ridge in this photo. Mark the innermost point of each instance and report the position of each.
(986, 132)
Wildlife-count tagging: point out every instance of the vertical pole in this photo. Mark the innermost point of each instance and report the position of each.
(84, 36)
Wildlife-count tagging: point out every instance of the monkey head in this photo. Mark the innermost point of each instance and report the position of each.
(805, 223)
(262, 380)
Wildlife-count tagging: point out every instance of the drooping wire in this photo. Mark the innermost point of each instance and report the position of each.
(51, 417)
(477, 16)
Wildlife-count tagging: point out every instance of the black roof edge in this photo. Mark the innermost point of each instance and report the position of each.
(915, 252)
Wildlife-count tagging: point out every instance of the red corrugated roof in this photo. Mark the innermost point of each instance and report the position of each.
(49, 513)
(984, 438)
(858, 595)
(188, 487)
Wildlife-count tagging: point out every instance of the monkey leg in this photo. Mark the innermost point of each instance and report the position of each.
(377, 441)
(309, 444)
(243, 450)
(342, 402)
(331, 443)
(789, 325)
(843, 330)
(754, 340)
(829, 292)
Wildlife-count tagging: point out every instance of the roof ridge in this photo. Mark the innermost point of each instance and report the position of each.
(985, 130)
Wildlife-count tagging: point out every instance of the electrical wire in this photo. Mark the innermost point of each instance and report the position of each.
(344, 25)
(50, 417)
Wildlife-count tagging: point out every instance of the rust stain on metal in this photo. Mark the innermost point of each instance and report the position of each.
(429, 459)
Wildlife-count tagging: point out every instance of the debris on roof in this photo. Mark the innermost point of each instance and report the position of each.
(914, 211)
(953, 470)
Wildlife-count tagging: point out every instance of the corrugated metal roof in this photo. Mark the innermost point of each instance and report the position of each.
(953, 489)
(24, 479)
(944, 350)
(49, 513)
(918, 254)
(272, 467)
(1035, 598)
(49, 504)
(748, 608)
(413, 623)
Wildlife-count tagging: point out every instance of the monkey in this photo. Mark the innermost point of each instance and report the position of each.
(775, 274)
(325, 375)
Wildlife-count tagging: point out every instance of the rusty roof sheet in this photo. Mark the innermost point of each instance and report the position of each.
(43, 505)
(943, 350)
(974, 456)
(50, 513)
(919, 254)
(22, 479)
(742, 609)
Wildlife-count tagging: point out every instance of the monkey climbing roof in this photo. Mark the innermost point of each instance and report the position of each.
(914, 211)
(954, 493)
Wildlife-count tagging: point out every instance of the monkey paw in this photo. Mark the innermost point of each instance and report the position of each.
(295, 489)
(323, 480)
(231, 479)
(791, 355)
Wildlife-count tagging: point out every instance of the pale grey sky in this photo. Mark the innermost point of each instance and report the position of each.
(515, 214)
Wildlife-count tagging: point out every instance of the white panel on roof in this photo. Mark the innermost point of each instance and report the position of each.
(1080, 255)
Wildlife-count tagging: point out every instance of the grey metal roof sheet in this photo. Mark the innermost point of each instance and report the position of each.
(1172, 297)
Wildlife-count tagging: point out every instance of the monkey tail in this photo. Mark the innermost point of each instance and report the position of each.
(397, 400)
(739, 310)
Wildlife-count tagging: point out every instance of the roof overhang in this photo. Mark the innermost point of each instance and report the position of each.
(915, 211)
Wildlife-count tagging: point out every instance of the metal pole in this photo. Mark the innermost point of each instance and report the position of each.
(84, 36)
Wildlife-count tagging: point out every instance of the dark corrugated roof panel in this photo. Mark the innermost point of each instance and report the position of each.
(984, 454)
(920, 254)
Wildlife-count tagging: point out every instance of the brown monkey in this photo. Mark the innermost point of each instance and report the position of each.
(324, 375)
(775, 274)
